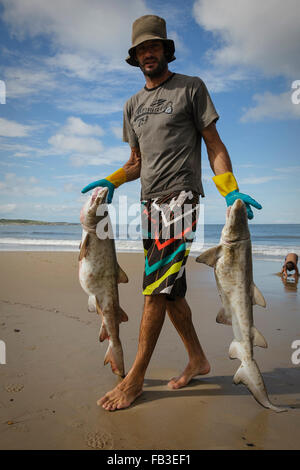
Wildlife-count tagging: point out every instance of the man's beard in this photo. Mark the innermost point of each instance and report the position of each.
(158, 71)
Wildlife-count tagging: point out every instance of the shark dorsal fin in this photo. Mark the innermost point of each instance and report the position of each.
(210, 256)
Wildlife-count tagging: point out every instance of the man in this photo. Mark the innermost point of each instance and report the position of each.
(164, 124)
(290, 264)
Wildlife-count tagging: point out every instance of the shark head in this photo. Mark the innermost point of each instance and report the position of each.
(88, 213)
(236, 226)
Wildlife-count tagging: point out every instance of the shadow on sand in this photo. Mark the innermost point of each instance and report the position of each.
(280, 381)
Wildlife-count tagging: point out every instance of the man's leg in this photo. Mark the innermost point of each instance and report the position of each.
(181, 317)
(132, 386)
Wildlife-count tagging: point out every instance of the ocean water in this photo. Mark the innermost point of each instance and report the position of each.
(269, 241)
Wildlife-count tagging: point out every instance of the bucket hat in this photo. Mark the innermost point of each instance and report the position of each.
(146, 28)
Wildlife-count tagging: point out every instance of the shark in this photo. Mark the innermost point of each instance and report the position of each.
(232, 263)
(100, 274)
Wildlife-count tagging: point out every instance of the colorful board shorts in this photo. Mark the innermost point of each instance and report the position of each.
(168, 227)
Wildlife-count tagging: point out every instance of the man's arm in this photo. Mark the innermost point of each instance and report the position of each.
(221, 166)
(217, 153)
(133, 167)
(129, 172)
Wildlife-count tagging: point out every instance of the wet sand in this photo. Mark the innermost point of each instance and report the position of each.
(54, 370)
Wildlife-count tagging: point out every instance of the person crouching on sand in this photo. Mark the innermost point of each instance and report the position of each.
(290, 264)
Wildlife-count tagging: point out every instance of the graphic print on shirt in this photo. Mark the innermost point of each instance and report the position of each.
(160, 106)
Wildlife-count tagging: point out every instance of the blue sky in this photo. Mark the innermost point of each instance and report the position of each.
(66, 83)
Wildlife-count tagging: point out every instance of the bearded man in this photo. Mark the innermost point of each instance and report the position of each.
(164, 124)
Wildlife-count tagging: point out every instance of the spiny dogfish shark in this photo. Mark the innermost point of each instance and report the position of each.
(232, 262)
(99, 275)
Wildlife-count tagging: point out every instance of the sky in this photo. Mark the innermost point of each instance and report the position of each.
(64, 82)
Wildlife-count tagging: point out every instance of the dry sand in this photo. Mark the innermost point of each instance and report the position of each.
(54, 372)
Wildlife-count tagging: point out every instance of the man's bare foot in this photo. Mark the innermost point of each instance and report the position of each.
(122, 396)
(189, 372)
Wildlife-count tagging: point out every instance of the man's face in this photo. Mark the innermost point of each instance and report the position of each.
(151, 58)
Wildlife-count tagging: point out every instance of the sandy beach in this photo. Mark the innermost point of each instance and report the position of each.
(54, 371)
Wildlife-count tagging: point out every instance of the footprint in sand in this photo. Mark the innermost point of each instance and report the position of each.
(99, 440)
(20, 427)
(14, 387)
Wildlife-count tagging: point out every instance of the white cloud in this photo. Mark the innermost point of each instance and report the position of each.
(7, 208)
(68, 143)
(24, 151)
(272, 106)
(77, 137)
(105, 157)
(257, 34)
(75, 178)
(96, 26)
(88, 40)
(13, 129)
(218, 81)
(289, 169)
(22, 81)
(259, 179)
(19, 186)
(117, 131)
(91, 107)
(86, 66)
(76, 126)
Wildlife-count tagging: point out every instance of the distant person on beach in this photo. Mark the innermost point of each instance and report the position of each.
(164, 124)
(290, 264)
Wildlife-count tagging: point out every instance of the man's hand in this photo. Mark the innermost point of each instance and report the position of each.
(249, 201)
(104, 183)
(228, 187)
(111, 182)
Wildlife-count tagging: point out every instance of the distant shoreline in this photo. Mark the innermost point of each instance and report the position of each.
(42, 222)
(32, 222)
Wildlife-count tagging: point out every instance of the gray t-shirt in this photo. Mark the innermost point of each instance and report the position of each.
(165, 122)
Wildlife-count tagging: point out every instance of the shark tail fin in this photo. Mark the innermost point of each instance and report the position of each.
(248, 374)
(256, 386)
